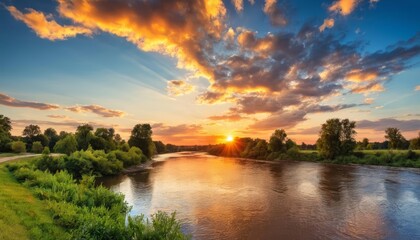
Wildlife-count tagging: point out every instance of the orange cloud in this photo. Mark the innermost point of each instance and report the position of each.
(361, 76)
(277, 18)
(239, 5)
(99, 110)
(375, 87)
(45, 27)
(344, 7)
(181, 29)
(179, 87)
(13, 102)
(328, 23)
(417, 88)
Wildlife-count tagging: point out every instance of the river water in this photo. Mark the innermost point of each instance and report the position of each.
(226, 198)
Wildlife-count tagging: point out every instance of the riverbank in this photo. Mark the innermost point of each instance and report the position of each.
(138, 168)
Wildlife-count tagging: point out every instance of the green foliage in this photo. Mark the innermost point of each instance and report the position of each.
(396, 139)
(84, 136)
(336, 138)
(160, 147)
(46, 151)
(89, 212)
(67, 145)
(18, 147)
(52, 136)
(37, 147)
(415, 143)
(277, 141)
(141, 137)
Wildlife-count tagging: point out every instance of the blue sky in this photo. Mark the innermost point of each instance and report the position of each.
(215, 71)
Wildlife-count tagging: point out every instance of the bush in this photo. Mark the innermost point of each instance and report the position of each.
(18, 147)
(46, 151)
(66, 145)
(37, 147)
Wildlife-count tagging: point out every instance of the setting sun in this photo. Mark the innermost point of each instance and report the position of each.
(229, 138)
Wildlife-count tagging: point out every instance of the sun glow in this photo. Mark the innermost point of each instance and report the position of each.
(229, 138)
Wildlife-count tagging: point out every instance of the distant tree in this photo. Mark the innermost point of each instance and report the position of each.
(277, 141)
(415, 143)
(365, 143)
(160, 147)
(63, 134)
(290, 144)
(104, 139)
(5, 136)
(18, 147)
(52, 136)
(31, 130)
(83, 136)
(141, 137)
(37, 147)
(66, 145)
(117, 139)
(395, 138)
(336, 138)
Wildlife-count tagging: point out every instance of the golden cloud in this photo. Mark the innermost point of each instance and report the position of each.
(179, 87)
(45, 27)
(375, 87)
(99, 110)
(344, 7)
(328, 23)
(13, 102)
(361, 76)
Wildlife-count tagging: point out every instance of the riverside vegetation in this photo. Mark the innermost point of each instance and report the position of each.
(77, 209)
(336, 144)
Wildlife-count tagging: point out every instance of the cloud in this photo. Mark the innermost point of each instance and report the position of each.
(344, 7)
(179, 87)
(382, 124)
(375, 87)
(45, 26)
(417, 88)
(328, 23)
(67, 123)
(12, 102)
(161, 129)
(369, 100)
(230, 117)
(277, 17)
(57, 116)
(99, 110)
(238, 4)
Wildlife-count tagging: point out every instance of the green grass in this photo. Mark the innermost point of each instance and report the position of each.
(9, 154)
(386, 150)
(22, 216)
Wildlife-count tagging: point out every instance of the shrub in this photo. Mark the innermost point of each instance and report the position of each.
(46, 151)
(37, 147)
(18, 147)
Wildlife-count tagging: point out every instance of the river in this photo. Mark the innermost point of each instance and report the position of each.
(227, 198)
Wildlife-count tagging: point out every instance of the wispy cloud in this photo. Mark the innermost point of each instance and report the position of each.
(382, 124)
(99, 110)
(13, 102)
(45, 26)
(417, 88)
(177, 130)
(179, 87)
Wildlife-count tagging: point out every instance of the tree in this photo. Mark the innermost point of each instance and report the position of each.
(83, 136)
(5, 136)
(31, 131)
(66, 145)
(395, 138)
(141, 137)
(336, 138)
(18, 147)
(277, 141)
(415, 143)
(365, 143)
(37, 147)
(104, 139)
(160, 147)
(52, 136)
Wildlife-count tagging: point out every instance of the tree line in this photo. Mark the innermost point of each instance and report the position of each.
(85, 136)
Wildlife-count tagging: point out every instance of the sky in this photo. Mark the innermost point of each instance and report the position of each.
(201, 70)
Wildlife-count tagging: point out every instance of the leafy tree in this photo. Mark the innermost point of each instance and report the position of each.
(5, 136)
(104, 139)
(141, 137)
(160, 147)
(31, 131)
(46, 151)
(365, 143)
(395, 138)
(52, 136)
(18, 147)
(37, 147)
(277, 141)
(336, 138)
(83, 136)
(66, 145)
(415, 143)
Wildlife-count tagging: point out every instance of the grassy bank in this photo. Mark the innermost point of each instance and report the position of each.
(23, 216)
(37, 204)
